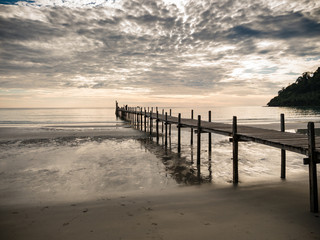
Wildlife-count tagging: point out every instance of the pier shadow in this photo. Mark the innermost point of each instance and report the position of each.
(178, 167)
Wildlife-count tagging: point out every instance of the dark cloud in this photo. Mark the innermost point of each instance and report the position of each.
(293, 25)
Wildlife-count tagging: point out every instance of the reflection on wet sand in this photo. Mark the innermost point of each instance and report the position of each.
(177, 166)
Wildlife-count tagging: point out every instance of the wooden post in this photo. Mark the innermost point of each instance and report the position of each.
(136, 116)
(191, 137)
(283, 152)
(162, 121)
(209, 136)
(170, 123)
(145, 119)
(166, 131)
(117, 109)
(312, 169)
(129, 115)
(199, 141)
(235, 150)
(141, 119)
(179, 133)
(151, 123)
(157, 126)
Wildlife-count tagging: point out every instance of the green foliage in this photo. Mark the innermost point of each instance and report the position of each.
(304, 92)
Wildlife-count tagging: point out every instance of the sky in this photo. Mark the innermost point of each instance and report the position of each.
(90, 53)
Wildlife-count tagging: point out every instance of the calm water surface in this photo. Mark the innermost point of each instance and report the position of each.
(74, 169)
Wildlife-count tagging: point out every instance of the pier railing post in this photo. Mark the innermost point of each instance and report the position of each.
(235, 150)
(312, 169)
(179, 132)
(199, 141)
(283, 152)
(209, 136)
(191, 137)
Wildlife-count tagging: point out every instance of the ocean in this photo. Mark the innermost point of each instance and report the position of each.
(67, 155)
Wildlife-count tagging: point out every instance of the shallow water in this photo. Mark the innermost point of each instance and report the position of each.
(58, 169)
(77, 169)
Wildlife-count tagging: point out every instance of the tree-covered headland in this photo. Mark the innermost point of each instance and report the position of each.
(304, 92)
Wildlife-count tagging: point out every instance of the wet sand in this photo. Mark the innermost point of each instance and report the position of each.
(18, 133)
(261, 210)
(278, 210)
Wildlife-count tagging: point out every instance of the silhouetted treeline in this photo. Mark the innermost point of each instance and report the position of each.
(304, 92)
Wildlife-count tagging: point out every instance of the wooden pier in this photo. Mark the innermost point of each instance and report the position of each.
(308, 145)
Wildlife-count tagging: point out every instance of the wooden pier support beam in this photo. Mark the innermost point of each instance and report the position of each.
(166, 131)
(162, 121)
(235, 150)
(145, 119)
(141, 120)
(191, 137)
(157, 126)
(209, 136)
(179, 132)
(136, 117)
(151, 123)
(312, 169)
(170, 123)
(117, 109)
(283, 152)
(199, 141)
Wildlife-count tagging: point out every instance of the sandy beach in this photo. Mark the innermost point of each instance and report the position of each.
(277, 210)
(252, 210)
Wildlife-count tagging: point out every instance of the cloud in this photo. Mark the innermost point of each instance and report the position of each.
(200, 47)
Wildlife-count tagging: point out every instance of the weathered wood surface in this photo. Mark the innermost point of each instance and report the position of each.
(284, 140)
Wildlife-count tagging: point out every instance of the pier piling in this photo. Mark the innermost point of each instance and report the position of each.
(235, 150)
(312, 169)
(199, 141)
(283, 152)
(157, 126)
(151, 123)
(191, 130)
(179, 132)
(166, 130)
(209, 134)
(170, 123)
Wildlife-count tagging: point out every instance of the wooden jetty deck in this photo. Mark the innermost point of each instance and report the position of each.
(308, 145)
